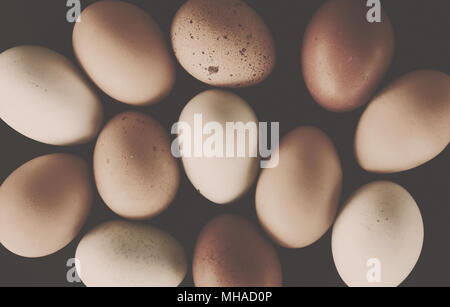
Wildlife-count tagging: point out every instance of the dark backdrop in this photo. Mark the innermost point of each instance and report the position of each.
(422, 41)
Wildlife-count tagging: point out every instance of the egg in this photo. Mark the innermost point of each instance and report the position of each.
(129, 254)
(43, 204)
(344, 56)
(44, 97)
(124, 52)
(223, 43)
(405, 125)
(135, 172)
(230, 252)
(221, 176)
(378, 235)
(296, 201)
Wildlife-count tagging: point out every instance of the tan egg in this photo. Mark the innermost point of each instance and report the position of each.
(221, 174)
(45, 97)
(135, 172)
(296, 201)
(377, 237)
(344, 56)
(127, 254)
(230, 252)
(223, 43)
(124, 52)
(406, 125)
(43, 204)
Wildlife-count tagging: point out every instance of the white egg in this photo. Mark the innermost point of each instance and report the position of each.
(221, 179)
(377, 237)
(46, 98)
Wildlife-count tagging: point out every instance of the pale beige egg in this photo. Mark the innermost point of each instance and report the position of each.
(406, 125)
(378, 236)
(127, 254)
(46, 98)
(296, 201)
(43, 204)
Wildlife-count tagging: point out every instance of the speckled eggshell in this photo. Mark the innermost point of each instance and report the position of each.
(296, 202)
(344, 56)
(46, 98)
(43, 204)
(124, 52)
(223, 43)
(135, 172)
(127, 254)
(230, 252)
(405, 125)
(378, 230)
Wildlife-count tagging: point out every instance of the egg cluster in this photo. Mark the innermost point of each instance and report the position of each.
(225, 44)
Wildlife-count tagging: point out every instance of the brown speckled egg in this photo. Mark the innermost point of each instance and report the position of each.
(127, 254)
(135, 172)
(124, 52)
(43, 204)
(230, 252)
(344, 57)
(223, 43)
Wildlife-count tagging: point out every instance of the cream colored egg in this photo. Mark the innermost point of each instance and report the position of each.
(215, 168)
(135, 172)
(124, 52)
(44, 97)
(223, 43)
(378, 235)
(296, 201)
(407, 124)
(43, 204)
(127, 254)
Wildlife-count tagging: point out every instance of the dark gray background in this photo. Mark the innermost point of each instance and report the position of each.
(422, 42)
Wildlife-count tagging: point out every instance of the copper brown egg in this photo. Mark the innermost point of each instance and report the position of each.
(231, 252)
(344, 56)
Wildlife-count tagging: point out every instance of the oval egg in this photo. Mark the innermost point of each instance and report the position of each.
(344, 56)
(378, 236)
(44, 97)
(296, 201)
(219, 176)
(223, 43)
(230, 252)
(135, 172)
(126, 254)
(405, 125)
(124, 52)
(43, 204)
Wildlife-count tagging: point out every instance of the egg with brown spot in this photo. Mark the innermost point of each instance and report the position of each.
(127, 254)
(135, 172)
(223, 43)
(231, 252)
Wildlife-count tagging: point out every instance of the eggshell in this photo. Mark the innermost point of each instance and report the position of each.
(379, 228)
(223, 43)
(124, 52)
(344, 57)
(135, 172)
(406, 125)
(43, 204)
(296, 202)
(127, 254)
(230, 252)
(44, 97)
(220, 179)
